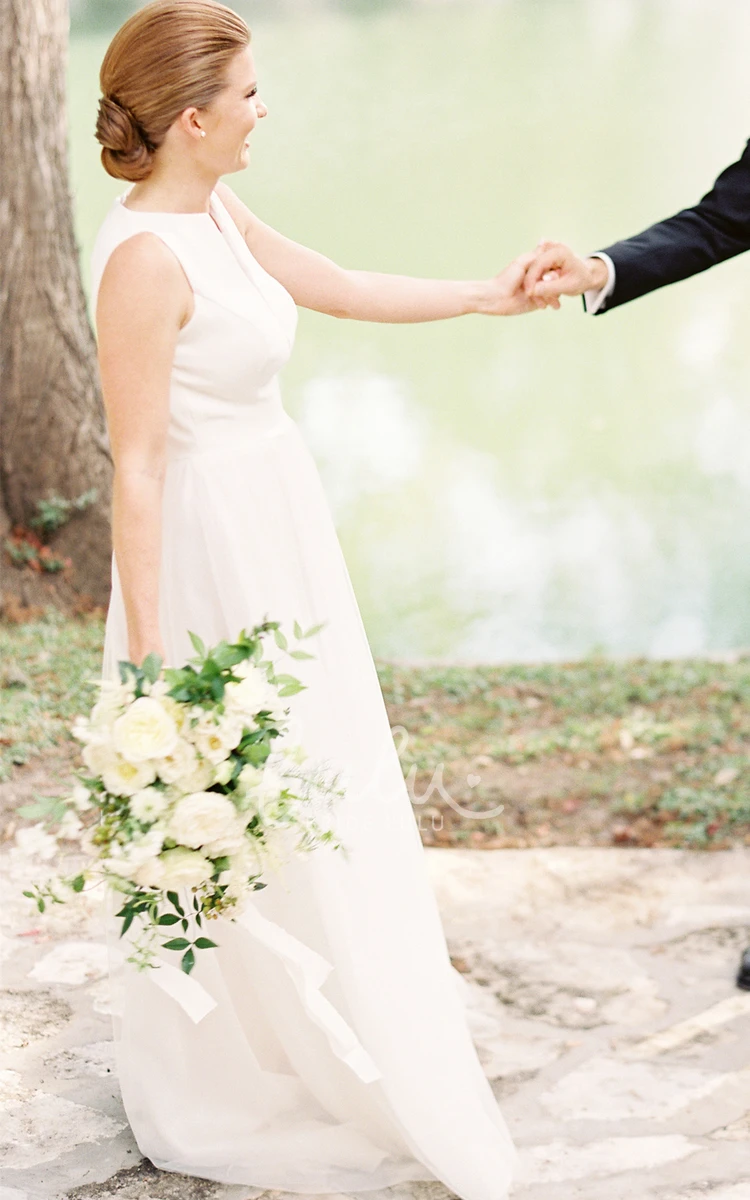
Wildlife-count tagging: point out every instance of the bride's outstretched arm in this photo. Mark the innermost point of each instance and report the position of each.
(317, 282)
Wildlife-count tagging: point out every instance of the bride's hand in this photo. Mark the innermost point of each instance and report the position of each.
(505, 295)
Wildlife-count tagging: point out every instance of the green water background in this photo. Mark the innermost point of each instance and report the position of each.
(530, 488)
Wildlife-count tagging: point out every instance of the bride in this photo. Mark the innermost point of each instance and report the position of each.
(363, 1075)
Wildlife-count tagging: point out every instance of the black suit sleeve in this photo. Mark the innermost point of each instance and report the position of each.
(715, 229)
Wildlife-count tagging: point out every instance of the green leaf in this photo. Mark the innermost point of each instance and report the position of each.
(204, 943)
(168, 919)
(174, 900)
(297, 630)
(40, 904)
(282, 678)
(187, 962)
(129, 917)
(280, 639)
(300, 654)
(29, 894)
(291, 689)
(77, 883)
(314, 629)
(151, 666)
(176, 944)
(198, 644)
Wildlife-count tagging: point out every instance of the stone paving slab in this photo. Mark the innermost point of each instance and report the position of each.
(601, 1000)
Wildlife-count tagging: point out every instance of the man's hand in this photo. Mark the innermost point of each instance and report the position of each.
(556, 271)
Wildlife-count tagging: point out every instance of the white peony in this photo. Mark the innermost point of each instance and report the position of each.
(183, 867)
(147, 804)
(145, 731)
(202, 817)
(231, 842)
(182, 760)
(123, 778)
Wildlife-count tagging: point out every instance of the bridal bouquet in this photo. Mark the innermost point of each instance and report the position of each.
(191, 786)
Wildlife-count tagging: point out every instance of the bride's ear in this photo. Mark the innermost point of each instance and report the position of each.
(190, 121)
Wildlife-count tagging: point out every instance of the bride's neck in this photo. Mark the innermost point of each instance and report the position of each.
(173, 191)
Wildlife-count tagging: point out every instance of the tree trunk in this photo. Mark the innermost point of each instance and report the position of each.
(53, 434)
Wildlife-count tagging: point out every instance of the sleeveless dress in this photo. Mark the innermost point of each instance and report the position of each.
(336, 1054)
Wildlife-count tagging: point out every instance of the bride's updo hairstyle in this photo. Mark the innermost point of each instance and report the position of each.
(169, 56)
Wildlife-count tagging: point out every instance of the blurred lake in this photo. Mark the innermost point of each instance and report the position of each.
(543, 487)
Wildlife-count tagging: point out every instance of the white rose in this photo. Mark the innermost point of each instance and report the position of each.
(199, 779)
(123, 778)
(147, 804)
(232, 842)
(145, 731)
(184, 867)
(202, 817)
(215, 739)
(252, 693)
(182, 760)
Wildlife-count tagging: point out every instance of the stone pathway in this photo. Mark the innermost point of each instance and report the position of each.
(602, 1003)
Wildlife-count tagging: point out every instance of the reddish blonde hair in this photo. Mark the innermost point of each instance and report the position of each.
(169, 55)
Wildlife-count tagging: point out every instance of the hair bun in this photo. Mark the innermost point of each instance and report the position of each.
(126, 147)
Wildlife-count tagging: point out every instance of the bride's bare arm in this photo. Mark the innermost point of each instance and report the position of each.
(316, 282)
(143, 300)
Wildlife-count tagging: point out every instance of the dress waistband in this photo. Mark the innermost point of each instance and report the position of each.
(233, 436)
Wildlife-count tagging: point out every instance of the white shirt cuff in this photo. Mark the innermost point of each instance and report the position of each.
(596, 298)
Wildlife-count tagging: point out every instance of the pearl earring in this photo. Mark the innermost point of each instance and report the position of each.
(203, 133)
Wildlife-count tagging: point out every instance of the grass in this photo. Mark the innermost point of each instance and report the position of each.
(597, 752)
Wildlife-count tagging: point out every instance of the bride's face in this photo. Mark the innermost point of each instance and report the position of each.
(230, 119)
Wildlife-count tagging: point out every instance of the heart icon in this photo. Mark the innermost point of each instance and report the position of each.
(473, 780)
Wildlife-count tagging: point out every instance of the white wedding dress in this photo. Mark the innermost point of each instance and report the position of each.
(337, 1056)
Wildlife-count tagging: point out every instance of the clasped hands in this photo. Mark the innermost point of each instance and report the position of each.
(538, 280)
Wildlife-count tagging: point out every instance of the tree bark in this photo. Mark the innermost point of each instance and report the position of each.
(53, 433)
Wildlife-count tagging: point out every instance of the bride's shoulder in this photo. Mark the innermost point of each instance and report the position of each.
(237, 209)
(143, 270)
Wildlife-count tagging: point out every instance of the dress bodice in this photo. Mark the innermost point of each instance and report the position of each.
(224, 388)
